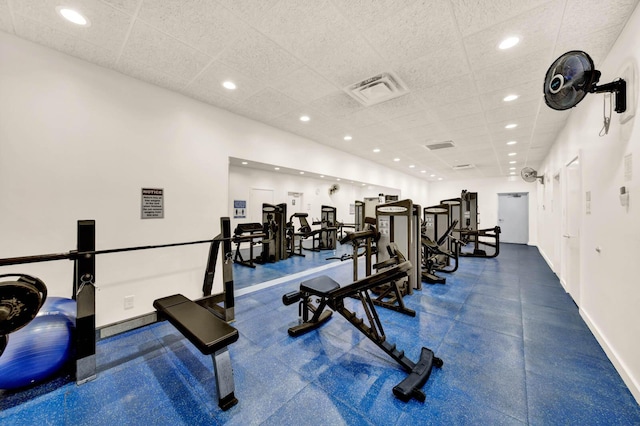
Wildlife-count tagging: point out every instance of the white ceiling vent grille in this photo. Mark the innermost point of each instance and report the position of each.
(464, 166)
(440, 145)
(375, 90)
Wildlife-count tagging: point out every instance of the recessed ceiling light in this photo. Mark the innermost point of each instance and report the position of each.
(338, 179)
(439, 178)
(74, 16)
(512, 142)
(510, 98)
(511, 154)
(276, 168)
(512, 168)
(244, 163)
(423, 171)
(512, 173)
(511, 126)
(305, 118)
(363, 184)
(432, 175)
(301, 173)
(411, 166)
(508, 42)
(321, 176)
(347, 138)
(376, 150)
(512, 162)
(229, 85)
(396, 159)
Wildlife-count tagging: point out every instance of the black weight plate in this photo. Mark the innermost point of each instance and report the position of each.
(19, 304)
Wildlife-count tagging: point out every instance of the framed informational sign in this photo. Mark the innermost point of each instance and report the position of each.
(239, 209)
(152, 205)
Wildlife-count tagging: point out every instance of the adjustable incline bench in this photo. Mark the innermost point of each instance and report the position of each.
(331, 294)
(209, 334)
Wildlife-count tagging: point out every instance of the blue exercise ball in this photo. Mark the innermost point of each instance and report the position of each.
(59, 306)
(36, 352)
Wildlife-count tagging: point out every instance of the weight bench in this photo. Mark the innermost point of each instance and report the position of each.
(330, 294)
(209, 334)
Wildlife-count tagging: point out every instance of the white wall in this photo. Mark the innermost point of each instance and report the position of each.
(488, 190)
(78, 141)
(315, 192)
(609, 291)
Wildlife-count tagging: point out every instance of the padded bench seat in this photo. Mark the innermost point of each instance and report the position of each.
(319, 286)
(210, 334)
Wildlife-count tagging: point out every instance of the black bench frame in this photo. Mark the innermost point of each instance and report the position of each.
(331, 294)
(210, 334)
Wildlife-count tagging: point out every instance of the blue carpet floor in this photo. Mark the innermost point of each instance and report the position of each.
(515, 352)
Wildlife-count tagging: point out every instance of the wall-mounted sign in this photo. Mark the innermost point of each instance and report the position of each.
(239, 209)
(152, 206)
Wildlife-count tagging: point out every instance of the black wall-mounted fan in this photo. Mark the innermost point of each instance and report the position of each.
(572, 76)
(530, 175)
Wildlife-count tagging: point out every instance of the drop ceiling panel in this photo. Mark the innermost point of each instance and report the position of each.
(536, 29)
(291, 57)
(258, 57)
(409, 33)
(51, 37)
(473, 16)
(203, 25)
(108, 26)
(156, 49)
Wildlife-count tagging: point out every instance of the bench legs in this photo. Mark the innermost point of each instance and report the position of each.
(224, 378)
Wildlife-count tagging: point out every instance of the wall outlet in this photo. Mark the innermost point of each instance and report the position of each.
(128, 302)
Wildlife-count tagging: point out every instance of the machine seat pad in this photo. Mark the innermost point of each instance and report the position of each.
(319, 286)
(203, 328)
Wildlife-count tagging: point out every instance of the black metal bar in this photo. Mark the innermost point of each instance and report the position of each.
(84, 293)
(73, 255)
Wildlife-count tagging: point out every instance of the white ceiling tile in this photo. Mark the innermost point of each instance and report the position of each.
(63, 42)
(271, 103)
(203, 25)
(133, 68)
(398, 107)
(473, 16)
(527, 91)
(413, 119)
(597, 44)
(6, 23)
(210, 82)
(411, 33)
(437, 65)
(513, 72)
(350, 62)
(466, 122)
(364, 14)
(304, 85)
(470, 105)
(607, 14)
(158, 50)
(127, 6)
(256, 56)
(537, 29)
(450, 91)
(250, 11)
(108, 26)
(513, 111)
(337, 105)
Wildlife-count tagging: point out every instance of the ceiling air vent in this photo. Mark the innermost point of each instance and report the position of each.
(375, 90)
(440, 145)
(464, 166)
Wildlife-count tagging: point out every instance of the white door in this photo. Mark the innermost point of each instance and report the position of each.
(556, 224)
(570, 272)
(295, 204)
(513, 217)
(258, 197)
